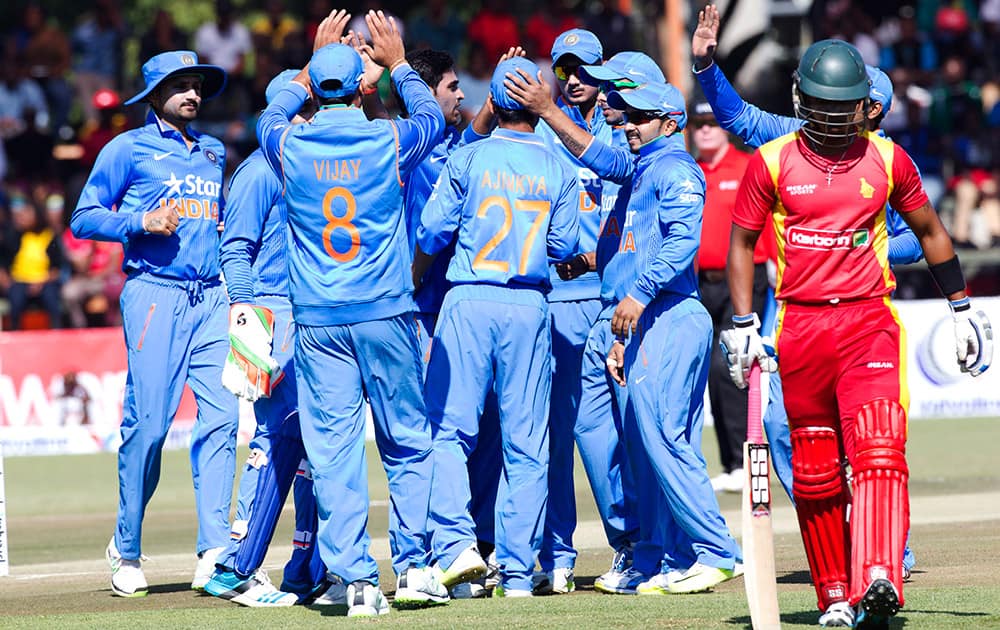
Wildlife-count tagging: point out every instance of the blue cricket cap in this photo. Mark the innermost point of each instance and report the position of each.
(661, 98)
(278, 83)
(335, 70)
(582, 44)
(510, 66)
(628, 65)
(881, 89)
(176, 63)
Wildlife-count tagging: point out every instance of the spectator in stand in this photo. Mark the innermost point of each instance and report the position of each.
(110, 123)
(46, 53)
(612, 27)
(163, 36)
(316, 13)
(494, 28)
(358, 24)
(22, 101)
(975, 182)
(953, 94)
(95, 283)
(23, 121)
(434, 25)
(912, 50)
(224, 42)
(922, 144)
(97, 44)
(30, 261)
(989, 16)
(272, 29)
(540, 31)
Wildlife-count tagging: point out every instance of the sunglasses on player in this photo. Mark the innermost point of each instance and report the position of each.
(638, 117)
(564, 71)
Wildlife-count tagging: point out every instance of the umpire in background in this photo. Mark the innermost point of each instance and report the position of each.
(158, 191)
(723, 165)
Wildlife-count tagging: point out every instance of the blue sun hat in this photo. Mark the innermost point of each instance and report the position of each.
(661, 98)
(881, 87)
(176, 63)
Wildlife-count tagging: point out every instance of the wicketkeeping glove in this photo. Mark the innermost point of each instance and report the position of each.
(250, 372)
(973, 337)
(742, 346)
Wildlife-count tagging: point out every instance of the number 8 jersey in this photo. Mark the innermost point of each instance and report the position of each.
(349, 256)
(512, 203)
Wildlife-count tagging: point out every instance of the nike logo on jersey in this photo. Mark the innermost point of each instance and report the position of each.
(641, 379)
(160, 156)
(438, 158)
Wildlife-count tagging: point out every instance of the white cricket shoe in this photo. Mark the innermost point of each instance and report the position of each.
(419, 587)
(492, 572)
(468, 566)
(619, 582)
(127, 578)
(469, 590)
(729, 482)
(659, 584)
(364, 599)
(699, 578)
(837, 615)
(205, 568)
(257, 591)
(500, 591)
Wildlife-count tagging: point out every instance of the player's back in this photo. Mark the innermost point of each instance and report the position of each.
(518, 211)
(349, 259)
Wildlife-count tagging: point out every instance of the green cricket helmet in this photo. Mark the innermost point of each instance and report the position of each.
(830, 82)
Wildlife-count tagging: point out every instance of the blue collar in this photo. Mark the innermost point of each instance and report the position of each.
(670, 143)
(166, 131)
(519, 136)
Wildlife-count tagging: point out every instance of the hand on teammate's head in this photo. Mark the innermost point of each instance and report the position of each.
(373, 71)
(386, 48)
(514, 51)
(533, 93)
(331, 29)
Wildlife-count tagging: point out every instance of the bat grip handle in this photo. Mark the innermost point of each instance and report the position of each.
(755, 430)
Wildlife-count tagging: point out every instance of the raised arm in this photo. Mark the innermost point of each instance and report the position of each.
(534, 94)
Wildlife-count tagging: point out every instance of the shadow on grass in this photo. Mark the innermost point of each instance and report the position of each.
(179, 587)
(795, 577)
(806, 618)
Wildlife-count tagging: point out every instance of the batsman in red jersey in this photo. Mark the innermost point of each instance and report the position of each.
(840, 342)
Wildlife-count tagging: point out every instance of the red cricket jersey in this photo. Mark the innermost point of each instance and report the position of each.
(723, 181)
(832, 241)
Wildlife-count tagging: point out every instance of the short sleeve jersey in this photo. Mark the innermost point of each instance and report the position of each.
(829, 215)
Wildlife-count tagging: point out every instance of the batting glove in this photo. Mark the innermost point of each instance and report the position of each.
(742, 346)
(250, 372)
(973, 337)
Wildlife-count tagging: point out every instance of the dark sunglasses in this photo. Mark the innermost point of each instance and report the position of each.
(565, 71)
(637, 117)
(621, 84)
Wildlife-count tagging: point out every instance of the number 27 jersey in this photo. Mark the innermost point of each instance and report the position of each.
(512, 204)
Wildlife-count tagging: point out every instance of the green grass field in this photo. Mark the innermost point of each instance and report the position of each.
(61, 513)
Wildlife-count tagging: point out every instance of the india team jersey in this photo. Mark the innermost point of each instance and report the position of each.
(146, 169)
(513, 206)
(829, 215)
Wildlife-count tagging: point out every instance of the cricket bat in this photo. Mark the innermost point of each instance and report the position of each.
(758, 537)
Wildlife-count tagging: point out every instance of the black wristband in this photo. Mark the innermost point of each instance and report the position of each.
(948, 276)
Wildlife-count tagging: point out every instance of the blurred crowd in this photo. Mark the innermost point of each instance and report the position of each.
(62, 85)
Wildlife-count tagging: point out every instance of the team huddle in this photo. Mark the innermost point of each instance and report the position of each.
(499, 296)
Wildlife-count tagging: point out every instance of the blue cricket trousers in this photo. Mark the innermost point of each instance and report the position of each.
(175, 332)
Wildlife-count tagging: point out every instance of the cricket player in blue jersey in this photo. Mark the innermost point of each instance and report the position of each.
(573, 307)
(158, 190)
(510, 205)
(352, 301)
(757, 127)
(255, 265)
(666, 360)
(599, 427)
